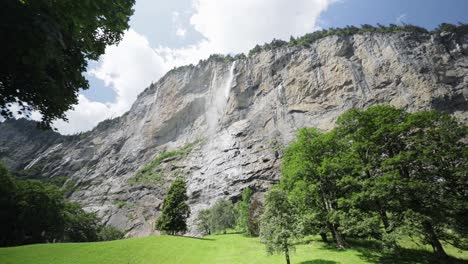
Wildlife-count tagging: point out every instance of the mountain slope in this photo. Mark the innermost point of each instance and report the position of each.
(222, 124)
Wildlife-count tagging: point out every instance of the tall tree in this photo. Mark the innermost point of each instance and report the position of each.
(8, 207)
(35, 211)
(222, 216)
(432, 171)
(414, 170)
(203, 222)
(255, 213)
(243, 209)
(374, 134)
(45, 48)
(279, 224)
(40, 209)
(313, 167)
(80, 226)
(175, 210)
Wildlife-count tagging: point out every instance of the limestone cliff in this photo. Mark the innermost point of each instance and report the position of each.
(222, 125)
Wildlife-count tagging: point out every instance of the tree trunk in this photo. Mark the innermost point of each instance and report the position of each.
(286, 254)
(434, 240)
(332, 231)
(324, 237)
(337, 236)
(384, 217)
(329, 226)
(340, 243)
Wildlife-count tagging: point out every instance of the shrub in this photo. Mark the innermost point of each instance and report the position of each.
(108, 233)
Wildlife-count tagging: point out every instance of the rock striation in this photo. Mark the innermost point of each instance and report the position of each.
(222, 125)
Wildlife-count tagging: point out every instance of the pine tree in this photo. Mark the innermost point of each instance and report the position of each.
(175, 211)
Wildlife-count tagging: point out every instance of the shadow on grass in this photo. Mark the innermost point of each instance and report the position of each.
(405, 256)
(371, 252)
(227, 233)
(202, 238)
(319, 261)
(192, 237)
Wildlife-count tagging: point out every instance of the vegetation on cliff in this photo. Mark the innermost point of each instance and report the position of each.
(311, 38)
(151, 172)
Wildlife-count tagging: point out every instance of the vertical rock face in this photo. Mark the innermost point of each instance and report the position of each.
(222, 125)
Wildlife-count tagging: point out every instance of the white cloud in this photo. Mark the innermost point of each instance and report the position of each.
(237, 26)
(187, 55)
(180, 32)
(84, 117)
(227, 27)
(128, 69)
(175, 17)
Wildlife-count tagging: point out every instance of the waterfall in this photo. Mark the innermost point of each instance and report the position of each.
(229, 80)
(219, 99)
(43, 155)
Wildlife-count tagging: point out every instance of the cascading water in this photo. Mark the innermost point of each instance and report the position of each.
(219, 100)
(219, 96)
(227, 88)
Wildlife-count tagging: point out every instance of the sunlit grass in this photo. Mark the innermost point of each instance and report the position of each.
(231, 248)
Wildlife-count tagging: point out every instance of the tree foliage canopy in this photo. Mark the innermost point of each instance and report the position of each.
(45, 48)
(34, 211)
(279, 227)
(223, 216)
(220, 217)
(175, 210)
(383, 167)
(243, 210)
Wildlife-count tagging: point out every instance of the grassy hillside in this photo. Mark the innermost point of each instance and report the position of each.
(232, 248)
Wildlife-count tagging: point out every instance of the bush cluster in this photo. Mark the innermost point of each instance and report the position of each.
(34, 211)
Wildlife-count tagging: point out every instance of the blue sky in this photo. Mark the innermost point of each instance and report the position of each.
(426, 13)
(165, 34)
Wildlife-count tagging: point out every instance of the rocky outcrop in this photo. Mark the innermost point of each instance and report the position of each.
(222, 125)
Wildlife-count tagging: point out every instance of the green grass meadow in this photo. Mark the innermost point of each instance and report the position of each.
(230, 248)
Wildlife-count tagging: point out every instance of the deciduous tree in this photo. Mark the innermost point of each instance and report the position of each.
(243, 209)
(46, 46)
(279, 226)
(223, 216)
